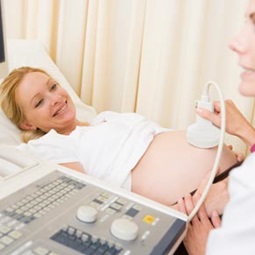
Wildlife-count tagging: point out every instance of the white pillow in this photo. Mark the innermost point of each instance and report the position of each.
(33, 53)
(9, 133)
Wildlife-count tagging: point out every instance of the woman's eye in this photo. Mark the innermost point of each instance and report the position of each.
(252, 18)
(54, 86)
(38, 103)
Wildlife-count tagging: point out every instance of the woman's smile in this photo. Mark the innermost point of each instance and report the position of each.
(61, 110)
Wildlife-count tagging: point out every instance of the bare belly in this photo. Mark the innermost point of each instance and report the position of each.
(171, 168)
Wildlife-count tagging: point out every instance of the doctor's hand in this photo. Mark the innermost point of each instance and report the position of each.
(200, 226)
(236, 123)
(239, 155)
(217, 196)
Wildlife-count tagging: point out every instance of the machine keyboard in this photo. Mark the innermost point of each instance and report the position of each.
(44, 200)
(34, 206)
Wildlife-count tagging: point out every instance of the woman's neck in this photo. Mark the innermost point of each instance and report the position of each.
(79, 123)
(72, 127)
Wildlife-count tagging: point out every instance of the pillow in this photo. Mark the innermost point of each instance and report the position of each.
(9, 133)
(33, 53)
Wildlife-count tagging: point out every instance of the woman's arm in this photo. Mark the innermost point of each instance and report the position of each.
(75, 166)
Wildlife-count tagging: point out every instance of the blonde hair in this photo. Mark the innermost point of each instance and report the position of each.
(9, 104)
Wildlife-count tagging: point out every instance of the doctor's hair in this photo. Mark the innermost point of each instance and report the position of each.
(9, 104)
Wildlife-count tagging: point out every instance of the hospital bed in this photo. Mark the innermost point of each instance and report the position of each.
(49, 209)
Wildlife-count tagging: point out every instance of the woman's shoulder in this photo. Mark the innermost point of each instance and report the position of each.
(51, 137)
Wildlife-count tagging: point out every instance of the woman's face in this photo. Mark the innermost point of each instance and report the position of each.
(45, 104)
(244, 45)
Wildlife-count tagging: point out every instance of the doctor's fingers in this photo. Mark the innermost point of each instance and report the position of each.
(215, 219)
(214, 117)
(190, 205)
(186, 206)
(201, 215)
(239, 155)
(181, 206)
(202, 212)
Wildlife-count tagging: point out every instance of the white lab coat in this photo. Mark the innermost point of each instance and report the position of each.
(237, 233)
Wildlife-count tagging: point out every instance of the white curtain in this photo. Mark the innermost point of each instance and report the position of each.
(148, 56)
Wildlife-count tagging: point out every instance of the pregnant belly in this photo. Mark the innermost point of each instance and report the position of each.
(171, 168)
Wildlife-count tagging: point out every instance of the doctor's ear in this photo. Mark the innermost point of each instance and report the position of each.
(25, 125)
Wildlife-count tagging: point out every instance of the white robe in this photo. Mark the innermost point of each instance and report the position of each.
(108, 149)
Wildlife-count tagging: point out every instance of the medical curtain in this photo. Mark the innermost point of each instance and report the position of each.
(148, 56)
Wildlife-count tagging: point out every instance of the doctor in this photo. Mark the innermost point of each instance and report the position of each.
(236, 235)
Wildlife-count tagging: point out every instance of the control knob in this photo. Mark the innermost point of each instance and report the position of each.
(124, 229)
(87, 213)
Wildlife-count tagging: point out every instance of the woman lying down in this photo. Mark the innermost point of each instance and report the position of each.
(124, 149)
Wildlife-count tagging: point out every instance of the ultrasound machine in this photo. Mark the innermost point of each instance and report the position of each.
(46, 209)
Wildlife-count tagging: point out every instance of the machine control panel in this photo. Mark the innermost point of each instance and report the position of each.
(62, 215)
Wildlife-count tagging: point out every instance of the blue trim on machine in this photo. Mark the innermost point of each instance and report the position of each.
(170, 238)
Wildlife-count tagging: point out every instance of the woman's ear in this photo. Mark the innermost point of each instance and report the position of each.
(25, 125)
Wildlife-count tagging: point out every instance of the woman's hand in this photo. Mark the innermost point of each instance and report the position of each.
(198, 229)
(236, 123)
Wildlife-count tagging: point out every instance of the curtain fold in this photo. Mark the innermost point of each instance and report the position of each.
(148, 56)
